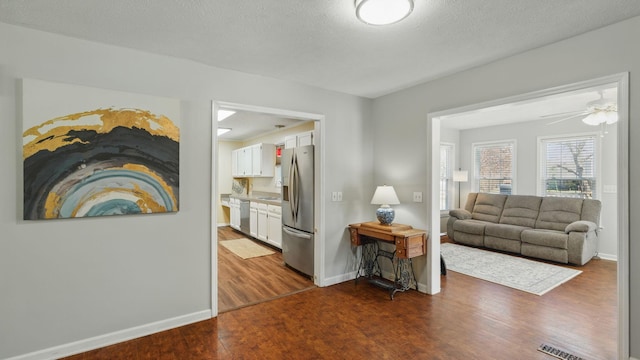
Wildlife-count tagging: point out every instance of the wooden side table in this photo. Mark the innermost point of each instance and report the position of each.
(409, 243)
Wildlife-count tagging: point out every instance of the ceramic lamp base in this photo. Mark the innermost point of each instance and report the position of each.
(385, 215)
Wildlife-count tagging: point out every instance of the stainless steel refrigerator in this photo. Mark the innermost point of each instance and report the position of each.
(297, 208)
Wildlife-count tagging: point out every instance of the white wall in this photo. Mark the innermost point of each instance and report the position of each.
(401, 145)
(63, 281)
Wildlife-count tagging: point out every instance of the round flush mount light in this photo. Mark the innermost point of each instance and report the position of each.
(383, 12)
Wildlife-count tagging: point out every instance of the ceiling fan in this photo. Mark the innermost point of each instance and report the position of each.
(600, 112)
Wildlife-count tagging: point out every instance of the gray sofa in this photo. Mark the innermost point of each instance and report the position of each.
(564, 230)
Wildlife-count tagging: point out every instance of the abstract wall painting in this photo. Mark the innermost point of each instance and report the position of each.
(96, 152)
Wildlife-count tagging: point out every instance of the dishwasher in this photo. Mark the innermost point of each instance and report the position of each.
(245, 226)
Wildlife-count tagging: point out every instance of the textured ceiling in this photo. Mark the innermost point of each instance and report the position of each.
(320, 42)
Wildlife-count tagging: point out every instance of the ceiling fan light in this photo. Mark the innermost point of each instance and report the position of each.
(594, 119)
(601, 117)
(383, 12)
(612, 117)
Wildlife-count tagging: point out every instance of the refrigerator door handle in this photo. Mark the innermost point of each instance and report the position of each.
(292, 199)
(296, 233)
(295, 188)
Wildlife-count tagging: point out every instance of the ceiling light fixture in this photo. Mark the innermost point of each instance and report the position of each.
(383, 12)
(607, 114)
(223, 114)
(223, 131)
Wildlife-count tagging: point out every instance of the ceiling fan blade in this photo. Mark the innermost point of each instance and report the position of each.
(562, 113)
(568, 118)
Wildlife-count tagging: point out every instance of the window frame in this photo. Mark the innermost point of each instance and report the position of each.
(541, 154)
(450, 191)
(475, 178)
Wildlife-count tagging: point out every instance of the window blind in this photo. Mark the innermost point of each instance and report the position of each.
(494, 167)
(568, 167)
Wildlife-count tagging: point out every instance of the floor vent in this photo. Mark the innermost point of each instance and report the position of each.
(560, 354)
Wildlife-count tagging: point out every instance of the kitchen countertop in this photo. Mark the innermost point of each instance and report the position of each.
(267, 199)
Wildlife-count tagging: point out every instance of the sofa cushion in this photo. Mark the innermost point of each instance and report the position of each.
(488, 207)
(557, 213)
(521, 210)
(548, 238)
(470, 226)
(505, 231)
(460, 214)
(580, 226)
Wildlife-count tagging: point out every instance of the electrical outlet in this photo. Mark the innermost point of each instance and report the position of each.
(417, 197)
(339, 195)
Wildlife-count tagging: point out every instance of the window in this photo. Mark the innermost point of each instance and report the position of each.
(494, 167)
(568, 167)
(446, 175)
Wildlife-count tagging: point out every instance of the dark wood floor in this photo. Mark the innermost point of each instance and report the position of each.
(244, 282)
(468, 319)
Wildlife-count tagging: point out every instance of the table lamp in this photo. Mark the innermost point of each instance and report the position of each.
(385, 196)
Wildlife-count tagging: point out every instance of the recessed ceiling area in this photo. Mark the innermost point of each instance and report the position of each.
(547, 109)
(246, 125)
(322, 43)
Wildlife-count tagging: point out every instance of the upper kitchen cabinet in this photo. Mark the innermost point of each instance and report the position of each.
(302, 139)
(254, 161)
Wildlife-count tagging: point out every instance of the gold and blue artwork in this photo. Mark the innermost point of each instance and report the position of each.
(104, 160)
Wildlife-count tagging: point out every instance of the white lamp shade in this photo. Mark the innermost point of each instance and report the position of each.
(383, 12)
(385, 195)
(461, 176)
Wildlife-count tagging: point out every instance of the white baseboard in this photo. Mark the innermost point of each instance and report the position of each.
(608, 257)
(352, 275)
(96, 342)
(339, 279)
(222, 224)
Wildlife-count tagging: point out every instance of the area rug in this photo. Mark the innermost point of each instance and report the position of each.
(246, 248)
(527, 275)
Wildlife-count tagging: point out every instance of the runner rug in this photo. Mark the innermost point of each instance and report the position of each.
(527, 275)
(246, 248)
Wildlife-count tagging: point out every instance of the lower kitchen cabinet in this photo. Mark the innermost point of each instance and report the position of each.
(253, 219)
(274, 215)
(234, 207)
(263, 225)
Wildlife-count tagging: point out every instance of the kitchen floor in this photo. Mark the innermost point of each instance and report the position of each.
(245, 282)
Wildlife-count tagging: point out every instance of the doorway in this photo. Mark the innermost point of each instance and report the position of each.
(435, 124)
(265, 126)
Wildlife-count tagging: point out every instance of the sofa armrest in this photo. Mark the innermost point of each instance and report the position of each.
(460, 214)
(581, 226)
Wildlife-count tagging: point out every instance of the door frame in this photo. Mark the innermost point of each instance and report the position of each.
(433, 164)
(319, 244)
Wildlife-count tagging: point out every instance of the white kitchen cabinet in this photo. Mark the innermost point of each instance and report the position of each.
(234, 206)
(302, 139)
(253, 219)
(263, 157)
(263, 225)
(274, 215)
(290, 141)
(305, 138)
(257, 160)
(245, 162)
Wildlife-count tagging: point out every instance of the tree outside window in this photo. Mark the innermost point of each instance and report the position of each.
(568, 167)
